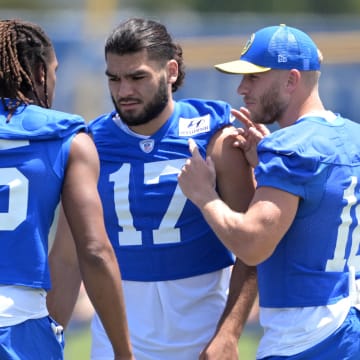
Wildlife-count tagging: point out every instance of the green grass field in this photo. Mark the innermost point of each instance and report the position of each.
(78, 345)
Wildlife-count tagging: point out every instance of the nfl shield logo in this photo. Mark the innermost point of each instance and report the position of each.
(147, 145)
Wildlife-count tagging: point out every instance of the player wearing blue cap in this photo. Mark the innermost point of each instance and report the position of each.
(302, 226)
(44, 155)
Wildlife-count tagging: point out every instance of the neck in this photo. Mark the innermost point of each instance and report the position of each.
(298, 109)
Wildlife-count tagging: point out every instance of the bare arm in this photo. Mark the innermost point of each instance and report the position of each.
(98, 265)
(65, 274)
(252, 235)
(236, 186)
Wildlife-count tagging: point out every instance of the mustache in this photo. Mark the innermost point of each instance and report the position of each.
(128, 99)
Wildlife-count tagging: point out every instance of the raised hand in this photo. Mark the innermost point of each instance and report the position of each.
(197, 178)
(249, 136)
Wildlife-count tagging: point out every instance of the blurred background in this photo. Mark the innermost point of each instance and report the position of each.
(210, 32)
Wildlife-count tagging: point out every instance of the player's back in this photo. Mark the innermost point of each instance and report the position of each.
(34, 146)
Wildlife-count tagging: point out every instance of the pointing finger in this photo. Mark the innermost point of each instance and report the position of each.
(243, 115)
(194, 150)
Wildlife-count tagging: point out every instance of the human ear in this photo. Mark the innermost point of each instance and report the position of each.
(39, 74)
(172, 68)
(293, 79)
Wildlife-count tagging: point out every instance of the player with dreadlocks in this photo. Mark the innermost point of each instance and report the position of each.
(46, 155)
(16, 76)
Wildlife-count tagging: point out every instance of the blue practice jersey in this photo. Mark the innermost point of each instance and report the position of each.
(319, 161)
(156, 232)
(34, 147)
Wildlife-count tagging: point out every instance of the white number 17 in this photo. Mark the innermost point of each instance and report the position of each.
(166, 233)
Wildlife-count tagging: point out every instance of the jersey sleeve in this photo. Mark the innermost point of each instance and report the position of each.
(291, 160)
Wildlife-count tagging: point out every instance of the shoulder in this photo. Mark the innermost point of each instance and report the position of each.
(83, 149)
(209, 115)
(221, 146)
(310, 137)
(55, 116)
(101, 121)
(49, 123)
(294, 155)
(203, 106)
(200, 104)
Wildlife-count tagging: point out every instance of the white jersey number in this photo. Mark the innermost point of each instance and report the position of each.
(166, 233)
(337, 264)
(17, 199)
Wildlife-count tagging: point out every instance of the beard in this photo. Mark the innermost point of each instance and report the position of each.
(272, 107)
(150, 110)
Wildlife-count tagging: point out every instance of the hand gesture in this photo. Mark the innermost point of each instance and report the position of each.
(197, 178)
(249, 136)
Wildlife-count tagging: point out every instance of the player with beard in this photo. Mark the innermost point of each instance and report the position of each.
(175, 271)
(302, 227)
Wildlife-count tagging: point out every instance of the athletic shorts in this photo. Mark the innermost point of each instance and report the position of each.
(343, 344)
(36, 339)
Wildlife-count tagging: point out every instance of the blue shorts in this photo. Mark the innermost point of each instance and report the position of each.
(31, 340)
(343, 344)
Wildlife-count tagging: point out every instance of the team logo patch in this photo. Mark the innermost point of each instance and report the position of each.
(248, 44)
(193, 126)
(147, 145)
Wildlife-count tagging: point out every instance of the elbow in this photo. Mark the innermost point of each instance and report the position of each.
(97, 254)
(249, 260)
(253, 256)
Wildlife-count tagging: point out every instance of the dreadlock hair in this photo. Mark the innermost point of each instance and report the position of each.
(23, 47)
(137, 34)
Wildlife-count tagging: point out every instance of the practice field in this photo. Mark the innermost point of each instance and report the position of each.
(78, 345)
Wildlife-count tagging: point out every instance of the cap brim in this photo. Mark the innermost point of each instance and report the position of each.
(240, 67)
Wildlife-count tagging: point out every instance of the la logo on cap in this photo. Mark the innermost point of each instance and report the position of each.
(248, 44)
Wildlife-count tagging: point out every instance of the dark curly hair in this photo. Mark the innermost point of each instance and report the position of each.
(23, 47)
(136, 34)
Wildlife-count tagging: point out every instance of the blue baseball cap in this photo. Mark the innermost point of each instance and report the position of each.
(275, 47)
